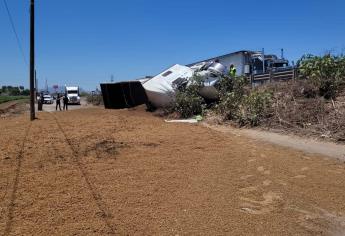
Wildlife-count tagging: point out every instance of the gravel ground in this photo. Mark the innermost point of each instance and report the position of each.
(52, 107)
(96, 172)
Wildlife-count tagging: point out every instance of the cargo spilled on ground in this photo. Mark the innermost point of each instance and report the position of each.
(96, 171)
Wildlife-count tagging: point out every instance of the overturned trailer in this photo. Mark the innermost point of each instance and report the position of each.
(159, 91)
(123, 94)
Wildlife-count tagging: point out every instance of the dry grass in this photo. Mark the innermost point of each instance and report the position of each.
(296, 108)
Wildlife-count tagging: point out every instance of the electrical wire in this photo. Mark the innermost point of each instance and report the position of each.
(15, 32)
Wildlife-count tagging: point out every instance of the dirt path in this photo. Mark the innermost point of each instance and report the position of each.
(13, 108)
(96, 172)
(291, 141)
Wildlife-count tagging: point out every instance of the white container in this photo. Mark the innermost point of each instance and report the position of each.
(217, 68)
(247, 69)
(160, 89)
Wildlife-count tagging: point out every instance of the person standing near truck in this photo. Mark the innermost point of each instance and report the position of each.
(58, 103)
(40, 102)
(65, 102)
(232, 71)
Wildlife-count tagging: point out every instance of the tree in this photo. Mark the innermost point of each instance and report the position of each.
(25, 92)
(327, 73)
(14, 91)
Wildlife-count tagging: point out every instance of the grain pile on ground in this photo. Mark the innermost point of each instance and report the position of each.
(95, 172)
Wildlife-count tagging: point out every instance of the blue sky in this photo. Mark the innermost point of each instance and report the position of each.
(84, 42)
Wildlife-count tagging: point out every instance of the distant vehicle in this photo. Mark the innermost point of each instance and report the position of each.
(48, 99)
(73, 94)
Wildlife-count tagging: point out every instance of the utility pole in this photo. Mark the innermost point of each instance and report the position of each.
(282, 53)
(32, 60)
(36, 86)
(263, 60)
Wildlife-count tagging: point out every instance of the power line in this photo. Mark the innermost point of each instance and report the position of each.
(15, 32)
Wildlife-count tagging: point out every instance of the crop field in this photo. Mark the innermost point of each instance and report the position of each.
(126, 172)
(4, 99)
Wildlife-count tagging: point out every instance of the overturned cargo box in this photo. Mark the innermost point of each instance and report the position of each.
(160, 89)
(123, 94)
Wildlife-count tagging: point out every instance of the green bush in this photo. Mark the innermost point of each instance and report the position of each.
(235, 100)
(187, 101)
(229, 105)
(231, 93)
(327, 73)
(25, 92)
(4, 99)
(254, 108)
(84, 94)
(95, 99)
(238, 85)
(14, 91)
(241, 104)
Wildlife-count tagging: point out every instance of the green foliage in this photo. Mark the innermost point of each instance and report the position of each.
(229, 105)
(25, 92)
(95, 99)
(241, 104)
(4, 99)
(231, 91)
(188, 102)
(14, 91)
(236, 101)
(225, 85)
(254, 107)
(10, 93)
(84, 94)
(236, 85)
(327, 73)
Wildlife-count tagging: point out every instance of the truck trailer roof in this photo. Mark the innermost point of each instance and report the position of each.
(72, 87)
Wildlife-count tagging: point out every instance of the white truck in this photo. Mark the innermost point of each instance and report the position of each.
(73, 95)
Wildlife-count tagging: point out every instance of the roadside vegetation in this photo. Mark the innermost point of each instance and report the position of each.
(94, 99)
(11, 93)
(4, 99)
(14, 91)
(313, 104)
(187, 100)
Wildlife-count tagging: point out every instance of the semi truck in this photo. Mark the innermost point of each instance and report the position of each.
(73, 94)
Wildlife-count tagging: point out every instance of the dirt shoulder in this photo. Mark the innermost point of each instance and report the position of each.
(308, 145)
(13, 108)
(126, 172)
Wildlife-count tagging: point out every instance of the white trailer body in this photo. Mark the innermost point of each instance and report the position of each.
(160, 89)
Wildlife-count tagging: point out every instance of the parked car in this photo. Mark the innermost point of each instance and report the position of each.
(48, 99)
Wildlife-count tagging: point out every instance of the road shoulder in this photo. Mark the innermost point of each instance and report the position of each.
(306, 145)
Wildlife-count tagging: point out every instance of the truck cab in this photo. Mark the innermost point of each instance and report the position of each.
(272, 63)
(73, 95)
